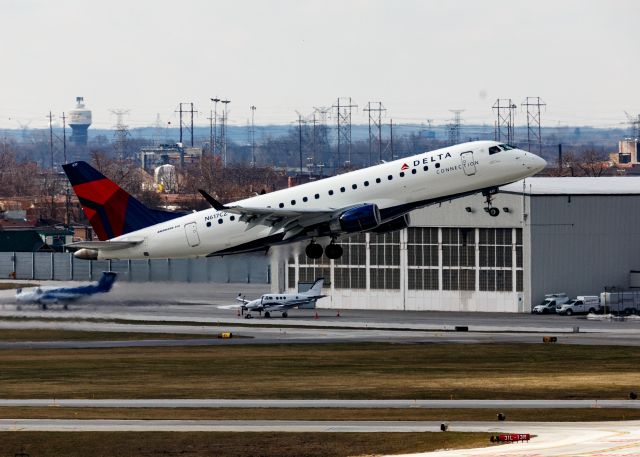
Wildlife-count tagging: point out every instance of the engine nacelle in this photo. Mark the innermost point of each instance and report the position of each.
(394, 225)
(365, 217)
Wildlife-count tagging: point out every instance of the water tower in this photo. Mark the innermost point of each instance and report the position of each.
(79, 121)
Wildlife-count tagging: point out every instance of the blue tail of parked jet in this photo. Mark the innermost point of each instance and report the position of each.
(110, 209)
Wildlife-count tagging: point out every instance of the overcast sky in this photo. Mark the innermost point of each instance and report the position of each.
(419, 58)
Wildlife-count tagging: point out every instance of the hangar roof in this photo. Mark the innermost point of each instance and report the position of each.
(606, 185)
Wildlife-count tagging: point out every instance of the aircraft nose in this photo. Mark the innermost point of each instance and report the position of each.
(537, 163)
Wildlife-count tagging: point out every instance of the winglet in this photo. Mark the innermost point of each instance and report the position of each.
(212, 201)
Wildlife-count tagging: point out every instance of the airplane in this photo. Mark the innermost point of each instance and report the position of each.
(377, 198)
(282, 302)
(50, 295)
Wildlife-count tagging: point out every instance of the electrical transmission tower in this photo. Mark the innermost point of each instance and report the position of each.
(321, 134)
(253, 136)
(375, 110)
(343, 108)
(454, 126)
(634, 123)
(121, 133)
(505, 110)
(191, 111)
(534, 131)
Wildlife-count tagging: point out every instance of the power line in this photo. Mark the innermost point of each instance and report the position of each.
(505, 110)
(375, 129)
(534, 130)
(343, 108)
(453, 127)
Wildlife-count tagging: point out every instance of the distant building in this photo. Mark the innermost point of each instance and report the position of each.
(168, 154)
(79, 121)
(627, 154)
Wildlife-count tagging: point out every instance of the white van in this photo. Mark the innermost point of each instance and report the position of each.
(582, 304)
(550, 303)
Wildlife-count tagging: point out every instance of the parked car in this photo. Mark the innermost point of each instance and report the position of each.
(582, 304)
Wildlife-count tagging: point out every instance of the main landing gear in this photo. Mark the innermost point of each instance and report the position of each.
(492, 210)
(332, 251)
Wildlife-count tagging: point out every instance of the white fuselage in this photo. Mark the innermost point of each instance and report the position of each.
(431, 175)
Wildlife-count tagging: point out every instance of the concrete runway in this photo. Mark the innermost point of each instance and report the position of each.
(173, 304)
(597, 439)
(352, 404)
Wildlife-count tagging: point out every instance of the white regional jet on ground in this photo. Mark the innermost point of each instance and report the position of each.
(376, 198)
(282, 302)
(54, 294)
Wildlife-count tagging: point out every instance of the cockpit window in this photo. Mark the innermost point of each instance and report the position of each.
(494, 150)
(507, 147)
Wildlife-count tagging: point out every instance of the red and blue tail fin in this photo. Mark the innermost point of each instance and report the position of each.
(111, 210)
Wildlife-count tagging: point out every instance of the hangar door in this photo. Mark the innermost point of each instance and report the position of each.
(192, 234)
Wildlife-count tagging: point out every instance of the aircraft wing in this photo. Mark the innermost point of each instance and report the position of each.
(294, 222)
(104, 245)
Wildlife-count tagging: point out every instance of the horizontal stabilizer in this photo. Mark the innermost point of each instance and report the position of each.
(103, 245)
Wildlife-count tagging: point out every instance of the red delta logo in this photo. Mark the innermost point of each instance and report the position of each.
(404, 167)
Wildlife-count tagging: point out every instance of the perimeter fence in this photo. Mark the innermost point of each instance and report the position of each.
(242, 268)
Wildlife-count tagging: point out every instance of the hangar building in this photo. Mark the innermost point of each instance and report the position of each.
(573, 235)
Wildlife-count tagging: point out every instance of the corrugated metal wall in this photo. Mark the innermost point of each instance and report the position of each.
(581, 244)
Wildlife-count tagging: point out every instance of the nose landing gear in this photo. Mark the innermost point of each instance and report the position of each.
(492, 210)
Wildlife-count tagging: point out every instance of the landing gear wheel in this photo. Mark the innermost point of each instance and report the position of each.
(285, 315)
(333, 251)
(313, 250)
(493, 212)
(248, 316)
(267, 314)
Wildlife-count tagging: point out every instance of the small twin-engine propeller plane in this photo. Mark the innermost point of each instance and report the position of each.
(282, 302)
(377, 198)
(50, 295)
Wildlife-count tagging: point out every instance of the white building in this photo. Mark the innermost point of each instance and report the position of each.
(573, 235)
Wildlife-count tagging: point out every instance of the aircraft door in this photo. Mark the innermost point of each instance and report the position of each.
(468, 164)
(192, 234)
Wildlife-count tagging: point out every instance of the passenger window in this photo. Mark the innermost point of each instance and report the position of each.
(209, 224)
(342, 189)
(366, 183)
(304, 199)
(354, 186)
(378, 180)
(219, 221)
(293, 202)
(402, 174)
(232, 218)
(281, 205)
(317, 196)
(437, 165)
(331, 192)
(389, 177)
(425, 168)
(413, 171)
(494, 150)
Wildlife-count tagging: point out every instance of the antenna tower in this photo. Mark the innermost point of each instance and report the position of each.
(253, 136)
(121, 133)
(534, 131)
(343, 108)
(223, 132)
(375, 129)
(454, 126)
(505, 110)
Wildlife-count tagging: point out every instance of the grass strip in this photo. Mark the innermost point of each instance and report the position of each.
(332, 371)
(319, 414)
(225, 444)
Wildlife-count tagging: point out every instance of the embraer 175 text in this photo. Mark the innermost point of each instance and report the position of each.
(377, 198)
(283, 302)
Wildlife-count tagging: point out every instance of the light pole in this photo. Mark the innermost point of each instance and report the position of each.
(213, 129)
(253, 137)
(224, 132)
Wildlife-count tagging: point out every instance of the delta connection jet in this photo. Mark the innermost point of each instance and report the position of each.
(50, 295)
(269, 303)
(377, 198)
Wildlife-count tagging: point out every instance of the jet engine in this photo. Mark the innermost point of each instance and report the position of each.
(359, 218)
(394, 225)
